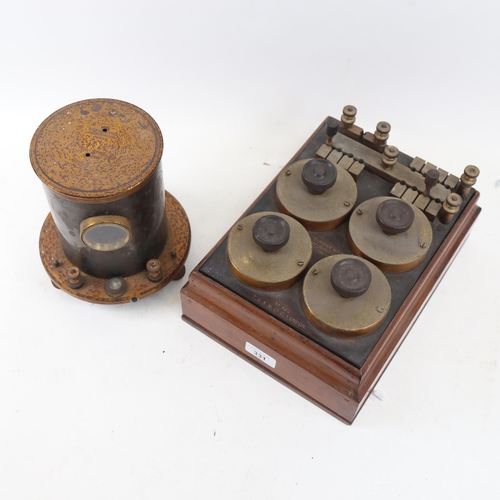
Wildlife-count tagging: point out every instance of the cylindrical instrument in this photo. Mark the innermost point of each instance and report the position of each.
(100, 162)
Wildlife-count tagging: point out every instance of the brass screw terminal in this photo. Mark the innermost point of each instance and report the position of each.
(348, 116)
(450, 207)
(468, 179)
(75, 279)
(153, 268)
(382, 133)
(390, 157)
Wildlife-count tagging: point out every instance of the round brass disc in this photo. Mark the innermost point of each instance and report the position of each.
(392, 254)
(96, 149)
(336, 315)
(317, 212)
(268, 270)
(172, 261)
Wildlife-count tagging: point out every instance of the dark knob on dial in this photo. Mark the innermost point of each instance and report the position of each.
(319, 175)
(271, 232)
(351, 277)
(394, 216)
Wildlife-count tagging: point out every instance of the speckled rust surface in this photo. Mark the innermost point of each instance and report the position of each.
(97, 149)
(172, 261)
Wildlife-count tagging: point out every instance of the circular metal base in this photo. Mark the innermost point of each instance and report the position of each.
(390, 253)
(316, 212)
(340, 316)
(172, 261)
(268, 270)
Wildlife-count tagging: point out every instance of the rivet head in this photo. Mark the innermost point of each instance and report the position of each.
(300, 263)
(423, 244)
(239, 227)
(359, 211)
(315, 272)
(288, 172)
(347, 204)
(380, 309)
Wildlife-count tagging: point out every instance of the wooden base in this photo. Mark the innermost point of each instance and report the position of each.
(269, 332)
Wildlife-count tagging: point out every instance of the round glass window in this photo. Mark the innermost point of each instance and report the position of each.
(106, 233)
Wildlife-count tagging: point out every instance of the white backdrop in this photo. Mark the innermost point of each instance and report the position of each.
(129, 402)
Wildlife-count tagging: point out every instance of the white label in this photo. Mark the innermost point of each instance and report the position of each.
(260, 355)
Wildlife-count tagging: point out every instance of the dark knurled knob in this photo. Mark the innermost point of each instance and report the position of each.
(431, 178)
(351, 277)
(271, 232)
(332, 127)
(319, 175)
(395, 216)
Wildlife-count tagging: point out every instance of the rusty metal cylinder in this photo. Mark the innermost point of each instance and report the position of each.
(99, 161)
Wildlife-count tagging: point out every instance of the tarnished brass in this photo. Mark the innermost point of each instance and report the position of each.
(100, 163)
(450, 207)
(339, 316)
(335, 156)
(323, 151)
(390, 157)
(106, 222)
(268, 270)
(421, 202)
(451, 181)
(348, 116)
(432, 209)
(399, 172)
(382, 133)
(468, 180)
(153, 268)
(345, 162)
(417, 164)
(392, 254)
(316, 212)
(75, 280)
(76, 150)
(355, 169)
(410, 195)
(398, 189)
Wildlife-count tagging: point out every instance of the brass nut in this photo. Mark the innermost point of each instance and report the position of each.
(468, 180)
(450, 207)
(390, 157)
(154, 270)
(470, 175)
(382, 132)
(75, 279)
(348, 116)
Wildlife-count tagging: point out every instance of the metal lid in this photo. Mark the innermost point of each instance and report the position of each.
(268, 270)
(391, 253)
(340, 316)
(315, 212)
(95, 149)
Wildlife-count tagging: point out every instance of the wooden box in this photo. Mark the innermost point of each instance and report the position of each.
(270, 329)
